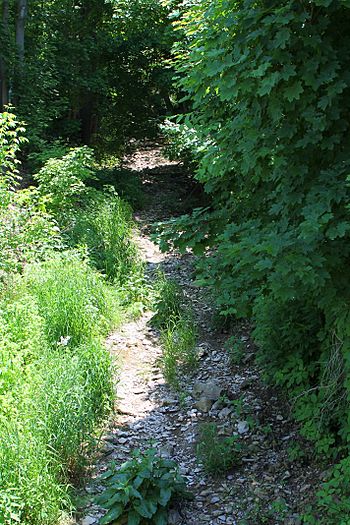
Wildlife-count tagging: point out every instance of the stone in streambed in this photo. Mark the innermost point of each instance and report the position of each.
(204, 404)
(210, 390)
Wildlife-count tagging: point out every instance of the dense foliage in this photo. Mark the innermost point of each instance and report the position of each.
(96, 69)
(269, 86)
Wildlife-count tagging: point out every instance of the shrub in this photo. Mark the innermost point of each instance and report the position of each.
(11, 138)
(61, 180)
(273, 131)
(142, 489)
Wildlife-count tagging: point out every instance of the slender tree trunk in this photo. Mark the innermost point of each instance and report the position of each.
(20, 29)
(4, 94)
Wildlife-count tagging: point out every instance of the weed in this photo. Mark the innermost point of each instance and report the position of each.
(217, 454)
(104, 224)
(142, 489)
(169, 302)
(178, 341)
(261, 513)
(235, 350)
(295, 452)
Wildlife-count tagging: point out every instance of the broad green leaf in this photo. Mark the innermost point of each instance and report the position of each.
(133, 518)
(165, 496)
(112, 515)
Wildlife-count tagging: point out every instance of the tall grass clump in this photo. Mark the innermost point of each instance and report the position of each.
(178, 333)
(55, 388)
(104, 225)
(69, 392)
(98, 220)
(74, 300)
(178, 341)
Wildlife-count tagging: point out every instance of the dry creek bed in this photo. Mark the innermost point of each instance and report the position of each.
(149, 413)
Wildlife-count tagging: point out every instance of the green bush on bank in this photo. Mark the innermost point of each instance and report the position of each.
(269, 88)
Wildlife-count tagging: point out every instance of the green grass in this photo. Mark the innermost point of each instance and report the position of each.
(74, 300)
(216, 453)
(66, 279)
(178, 341)
(169, 302)
(104, 225)
(55, 383)
(178, 332)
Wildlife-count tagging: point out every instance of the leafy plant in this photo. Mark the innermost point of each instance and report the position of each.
(62, 180)
(217, 454)
(141, 490)
(11, 138)
(331, 504)
(271, 157)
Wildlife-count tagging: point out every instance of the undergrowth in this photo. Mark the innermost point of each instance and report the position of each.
(69, 272)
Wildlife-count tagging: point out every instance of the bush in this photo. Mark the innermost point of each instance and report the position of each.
(273, 132)
(61, 180)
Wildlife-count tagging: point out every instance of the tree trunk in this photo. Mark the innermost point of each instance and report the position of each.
(20, 28)
(4, 93)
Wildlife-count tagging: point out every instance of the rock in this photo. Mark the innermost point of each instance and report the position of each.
(217, 405)
(215, 499)
(242, 427)
(89, 520)
(225, 412)
(210, 390)
(204, 404)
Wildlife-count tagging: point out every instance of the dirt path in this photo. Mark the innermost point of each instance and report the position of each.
(149, 413)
